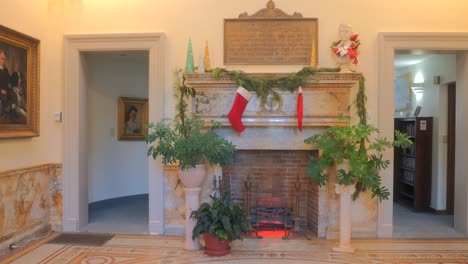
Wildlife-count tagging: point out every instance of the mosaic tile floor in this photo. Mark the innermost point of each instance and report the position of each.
(128, 249)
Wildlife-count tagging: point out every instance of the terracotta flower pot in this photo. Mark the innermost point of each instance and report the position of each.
(214, 246)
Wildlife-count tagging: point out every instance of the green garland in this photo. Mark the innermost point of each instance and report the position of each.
(360, 101)
(263, 87)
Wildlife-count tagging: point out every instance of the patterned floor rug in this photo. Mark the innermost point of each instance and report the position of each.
(128, 249)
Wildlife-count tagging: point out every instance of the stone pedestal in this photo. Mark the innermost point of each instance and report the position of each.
(192, 180)
(344, 62)
(345, 192)
(191, 203)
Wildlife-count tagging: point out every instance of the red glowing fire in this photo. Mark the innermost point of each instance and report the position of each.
(270, 233)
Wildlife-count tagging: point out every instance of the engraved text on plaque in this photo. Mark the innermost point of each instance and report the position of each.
(285, 41)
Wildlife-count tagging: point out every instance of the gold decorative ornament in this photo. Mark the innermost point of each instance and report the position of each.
(206, 59)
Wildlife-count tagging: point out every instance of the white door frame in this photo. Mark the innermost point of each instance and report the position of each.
(388, 43)
(75, 178)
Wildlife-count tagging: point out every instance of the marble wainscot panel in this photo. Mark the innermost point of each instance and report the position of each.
(174, 199)
(363, 212)
(56, 198)
(273, 127)
(30, 201)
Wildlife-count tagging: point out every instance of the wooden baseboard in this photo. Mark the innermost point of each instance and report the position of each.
(439, 212)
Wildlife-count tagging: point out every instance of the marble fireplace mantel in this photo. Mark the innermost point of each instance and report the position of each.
(326, 96)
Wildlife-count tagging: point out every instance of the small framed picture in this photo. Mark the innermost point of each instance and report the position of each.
(133, 117)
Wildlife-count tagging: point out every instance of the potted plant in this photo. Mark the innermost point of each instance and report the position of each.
(190, 143)
(357, 152)
(220, 223)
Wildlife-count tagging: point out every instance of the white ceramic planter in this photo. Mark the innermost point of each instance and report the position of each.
(193, 177)
(192, 180)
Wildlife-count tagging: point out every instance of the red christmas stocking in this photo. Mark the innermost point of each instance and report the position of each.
(240, 103)
(300, 108)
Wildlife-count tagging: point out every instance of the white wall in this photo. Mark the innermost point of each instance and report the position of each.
(461, 150)
(38, 19)
(203, 20)
(115, 168)
(434, 103)
(47, 20)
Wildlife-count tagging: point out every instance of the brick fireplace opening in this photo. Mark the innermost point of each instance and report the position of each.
(274, 177)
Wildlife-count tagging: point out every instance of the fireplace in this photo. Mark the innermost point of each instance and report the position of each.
(271, 214)
(272, 153)
(269, 181)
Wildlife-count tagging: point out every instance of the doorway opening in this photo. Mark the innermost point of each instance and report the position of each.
(117, 85)
(423, 175)
(389, 42)
(77, 185)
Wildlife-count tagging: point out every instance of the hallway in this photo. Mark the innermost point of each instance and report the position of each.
(410, 224)
(124, 215)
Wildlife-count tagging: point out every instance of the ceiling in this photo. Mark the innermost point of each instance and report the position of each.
(406, 58)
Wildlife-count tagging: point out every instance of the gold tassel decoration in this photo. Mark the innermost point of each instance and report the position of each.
(206, 59)
(313, 57)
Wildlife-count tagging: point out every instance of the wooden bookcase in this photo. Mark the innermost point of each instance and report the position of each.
(413, 165)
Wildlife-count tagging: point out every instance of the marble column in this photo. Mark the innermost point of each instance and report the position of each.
(192, 180)
(191, 203)
(345, 192)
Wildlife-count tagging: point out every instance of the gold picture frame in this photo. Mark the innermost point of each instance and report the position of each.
(132, 118)
(19, 84)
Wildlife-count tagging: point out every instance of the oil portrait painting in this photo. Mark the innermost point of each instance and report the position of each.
(133, 117)
(19, 85)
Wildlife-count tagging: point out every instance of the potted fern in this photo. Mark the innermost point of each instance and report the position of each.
(220, 222)
(189, 143)
(357, 153)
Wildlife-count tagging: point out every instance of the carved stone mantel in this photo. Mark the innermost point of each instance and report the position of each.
(326, 95)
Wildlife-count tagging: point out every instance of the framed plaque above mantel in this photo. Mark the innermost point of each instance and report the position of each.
(271, 37)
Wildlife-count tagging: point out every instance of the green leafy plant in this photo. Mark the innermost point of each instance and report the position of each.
(358, 144)
(187, 140)
(223, 218)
